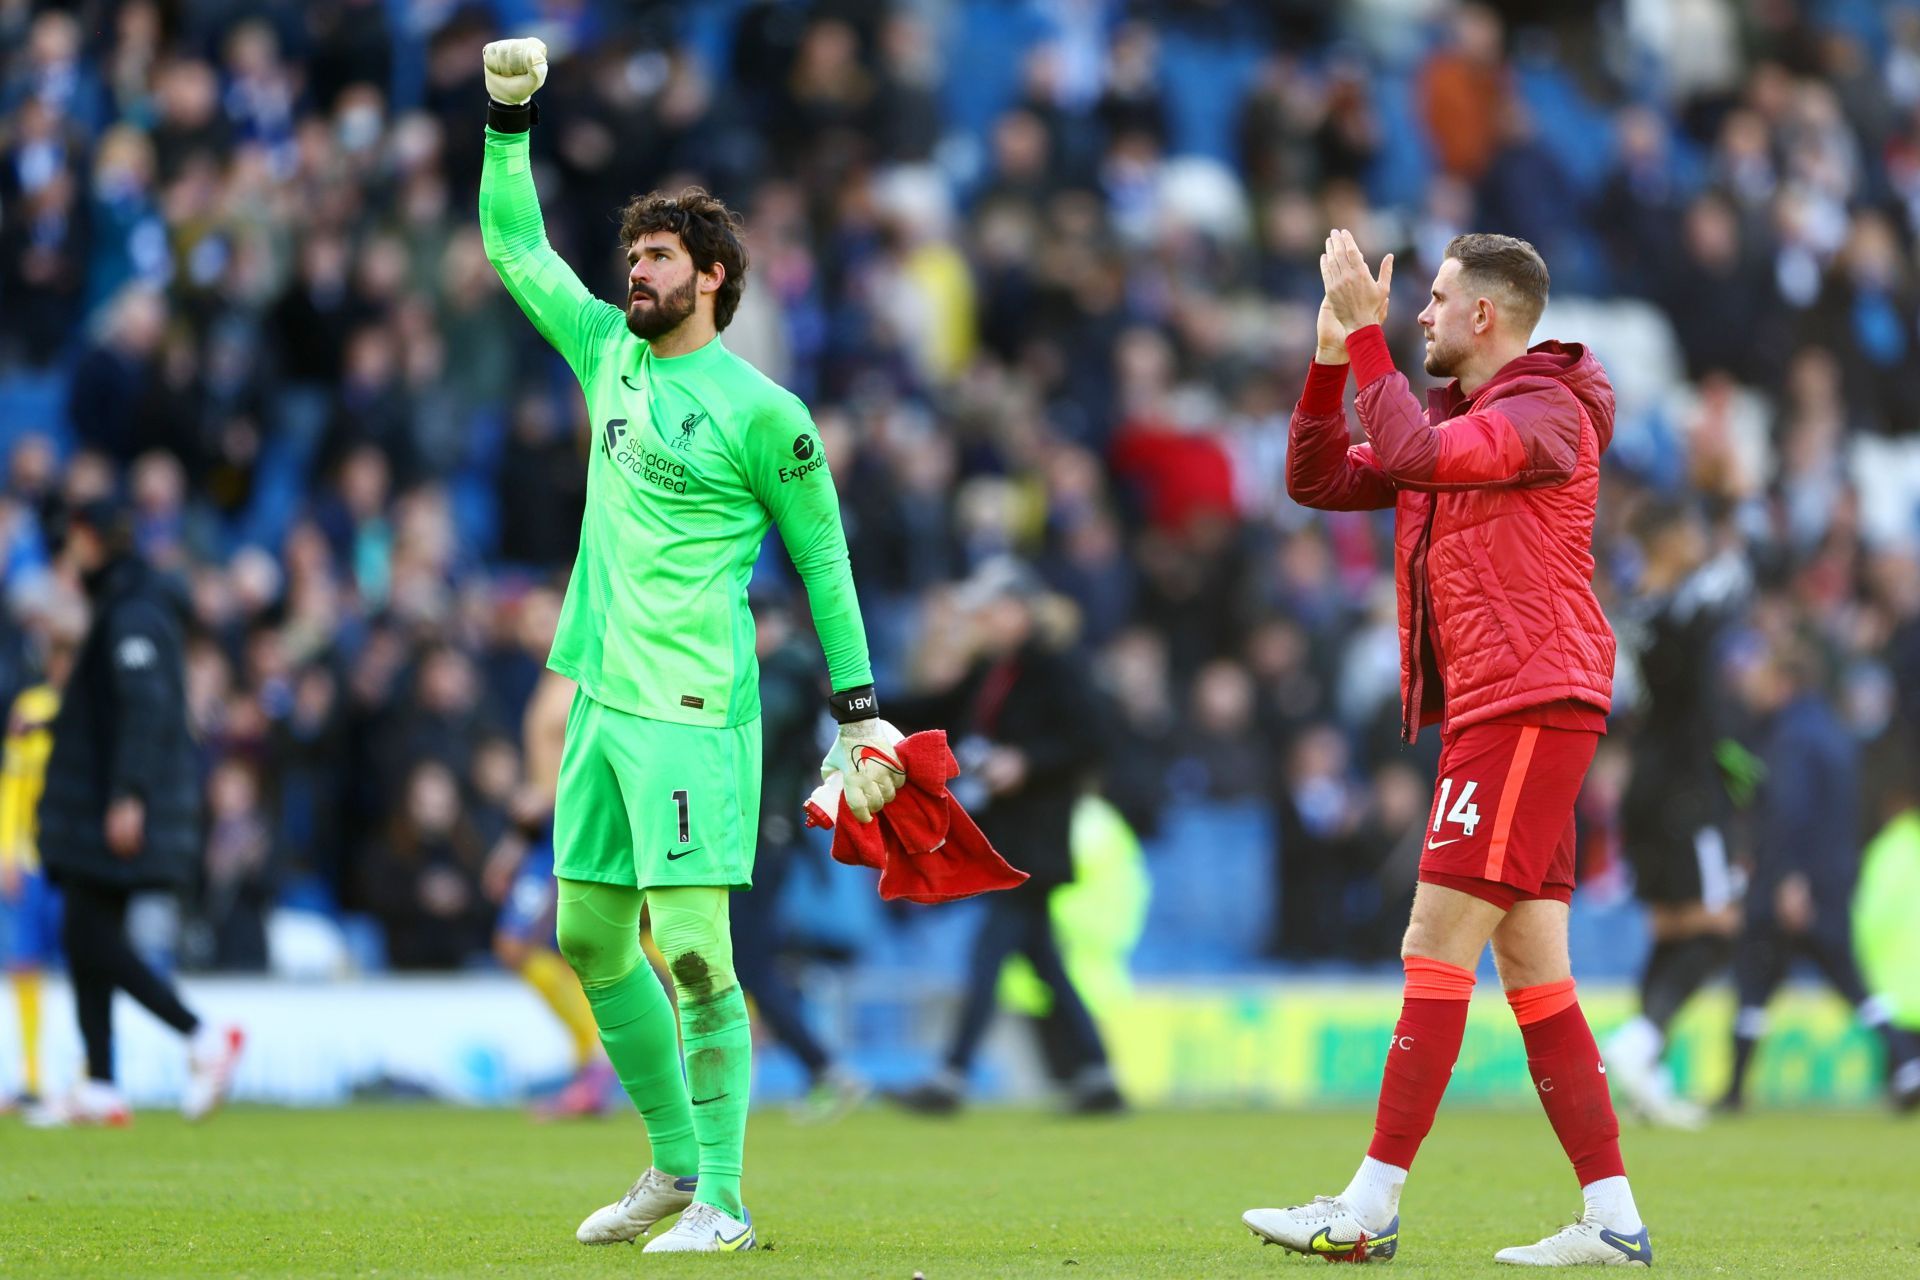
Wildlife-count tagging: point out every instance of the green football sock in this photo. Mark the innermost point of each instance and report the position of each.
(691, 928)
(599, 933)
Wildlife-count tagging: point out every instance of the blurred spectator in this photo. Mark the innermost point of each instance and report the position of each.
(112, 375)
(1463, 92)
(423, 881)
(1024, 726)
(1321, 809)
(239, 883)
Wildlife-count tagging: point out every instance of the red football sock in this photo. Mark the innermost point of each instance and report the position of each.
(1572, 1081)
(1426, 1043)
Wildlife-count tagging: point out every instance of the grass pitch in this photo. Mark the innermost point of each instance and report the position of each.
(404, 1192)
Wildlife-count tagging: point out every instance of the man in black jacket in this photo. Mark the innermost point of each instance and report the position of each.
(1024, 724)
(121, 809)
(1677, 804)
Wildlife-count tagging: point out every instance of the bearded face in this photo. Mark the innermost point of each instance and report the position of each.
(1448, 322)
(1444, 355)
(651, 313)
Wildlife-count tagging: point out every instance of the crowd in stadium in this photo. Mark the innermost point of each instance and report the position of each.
(242, 286)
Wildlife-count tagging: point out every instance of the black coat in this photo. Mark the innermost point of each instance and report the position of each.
(1051, 714)
(122, 730)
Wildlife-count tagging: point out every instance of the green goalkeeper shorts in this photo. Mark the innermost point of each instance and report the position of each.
(644, 803)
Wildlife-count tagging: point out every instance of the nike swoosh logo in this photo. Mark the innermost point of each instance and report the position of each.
(865, 754)
(1323, 1243)
(1441, 844)
(1624, 1245)
(675, 857)
(735, 1245)
(701, 1102)
(629, 386)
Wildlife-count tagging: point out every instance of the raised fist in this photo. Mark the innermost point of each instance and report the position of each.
(515, 68)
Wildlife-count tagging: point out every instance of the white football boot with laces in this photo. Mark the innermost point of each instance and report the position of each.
(1584, 1244)
(705, 1229)
(655, 1196)
(1327, 1228)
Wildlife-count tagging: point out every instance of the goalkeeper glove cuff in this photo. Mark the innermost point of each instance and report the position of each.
(850, 705)
(516, 118)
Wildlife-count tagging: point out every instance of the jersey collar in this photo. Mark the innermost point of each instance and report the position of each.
(698, 358)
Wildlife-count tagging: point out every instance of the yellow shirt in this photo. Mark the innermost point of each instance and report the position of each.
(23, 774)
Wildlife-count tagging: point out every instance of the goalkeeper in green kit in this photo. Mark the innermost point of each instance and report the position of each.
(695, 455)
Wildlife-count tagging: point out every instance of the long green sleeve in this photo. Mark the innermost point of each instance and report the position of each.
(562, 308)
(787, 470)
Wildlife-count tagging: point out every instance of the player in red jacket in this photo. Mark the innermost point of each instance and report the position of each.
(1503, 645)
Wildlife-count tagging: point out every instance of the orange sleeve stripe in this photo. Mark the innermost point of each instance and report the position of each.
(1510, 800)
(1536, 1004)
(1437, 980)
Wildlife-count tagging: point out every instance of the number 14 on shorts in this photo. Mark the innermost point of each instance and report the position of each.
(1465, 814)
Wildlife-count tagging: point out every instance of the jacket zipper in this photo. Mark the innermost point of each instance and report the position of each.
(1416, 633)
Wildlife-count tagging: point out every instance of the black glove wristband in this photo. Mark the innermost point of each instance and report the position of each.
(502, 118)
(850, 705)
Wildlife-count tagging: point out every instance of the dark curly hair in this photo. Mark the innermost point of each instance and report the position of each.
(709, 230)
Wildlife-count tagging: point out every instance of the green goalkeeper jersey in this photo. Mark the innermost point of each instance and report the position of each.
(693, 459)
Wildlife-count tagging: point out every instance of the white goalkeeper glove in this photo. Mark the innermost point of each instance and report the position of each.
(865, 761)
(515, 68)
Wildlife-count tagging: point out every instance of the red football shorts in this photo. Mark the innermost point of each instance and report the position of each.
(1501, 827)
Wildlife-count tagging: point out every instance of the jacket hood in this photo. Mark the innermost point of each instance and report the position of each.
(1569, 363)
(1574, 366)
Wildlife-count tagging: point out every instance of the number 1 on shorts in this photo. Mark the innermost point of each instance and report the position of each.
(680, 802)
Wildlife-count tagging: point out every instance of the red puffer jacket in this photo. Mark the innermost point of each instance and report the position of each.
(1493, 499)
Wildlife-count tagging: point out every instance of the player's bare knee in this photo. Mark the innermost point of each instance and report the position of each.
(1530, 946)
(1529, 960)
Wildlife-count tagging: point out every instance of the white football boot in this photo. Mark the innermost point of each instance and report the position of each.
(705, 1229)
(1584, 1244)
(1327, 1228)
(210, 1067)
(655, 1196)
(92, 1102)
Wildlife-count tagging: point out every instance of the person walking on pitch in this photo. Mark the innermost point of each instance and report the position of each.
(1502, 642)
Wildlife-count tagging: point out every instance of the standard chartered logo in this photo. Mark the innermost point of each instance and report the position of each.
(656, 469)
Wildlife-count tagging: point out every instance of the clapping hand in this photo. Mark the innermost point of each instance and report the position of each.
(1355, 298)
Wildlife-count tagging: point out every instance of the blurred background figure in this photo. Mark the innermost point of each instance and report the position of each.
(518, 877)
(1025, 726)
(1097, 922)
(791, 746)
(1674, 813)
(120, 811)
(1806, 861)
(29, 904)
(1884, 938)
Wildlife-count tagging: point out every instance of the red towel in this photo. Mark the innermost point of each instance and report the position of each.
(923, 843)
